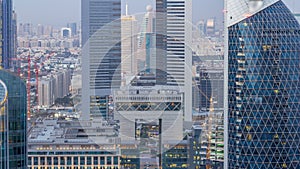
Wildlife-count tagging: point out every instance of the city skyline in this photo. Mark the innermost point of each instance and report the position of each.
(202, 9)
(136, 84)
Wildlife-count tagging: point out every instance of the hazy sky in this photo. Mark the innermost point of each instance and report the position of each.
(60, 12)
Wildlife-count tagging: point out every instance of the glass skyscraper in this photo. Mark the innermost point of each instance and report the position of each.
(263, 119)
(7, 28)
(13, 111)
(101, 54)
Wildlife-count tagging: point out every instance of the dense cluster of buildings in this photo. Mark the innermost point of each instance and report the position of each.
(152, 96)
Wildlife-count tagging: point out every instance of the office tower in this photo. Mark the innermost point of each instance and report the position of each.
(146, 60)
(262, 85)
(14, 39)
(161, 45)
(183, 154)
(211, 84)
(66, 32)
(129, 45)
(7, 45)
(73, 27)
(101, 55)
(173, 46)
(138, 106)
(13, 121)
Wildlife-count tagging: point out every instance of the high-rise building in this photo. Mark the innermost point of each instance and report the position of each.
(7, 38)
(173, 46)
(298, 17)
(73, 27)
(139, 105)
(13, 121)
(129, 45)
(261, 85)
(14, 39)
(66, 32)
(47, 94)
(146, 60)
(101, 55)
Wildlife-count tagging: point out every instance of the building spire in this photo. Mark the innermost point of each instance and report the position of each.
(126, 9)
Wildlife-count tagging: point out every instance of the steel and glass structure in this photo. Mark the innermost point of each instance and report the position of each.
(101, 54)
(173, 48)
(262, 128)
(7, 43)
(13, 152)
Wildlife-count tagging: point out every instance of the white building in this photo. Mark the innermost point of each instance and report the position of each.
(46, 91)
(129, 45)
(177, 17)
(148, 105)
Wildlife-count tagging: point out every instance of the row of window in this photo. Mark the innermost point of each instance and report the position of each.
(74, 160)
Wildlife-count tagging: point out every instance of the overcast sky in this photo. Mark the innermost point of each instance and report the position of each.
(60, 12)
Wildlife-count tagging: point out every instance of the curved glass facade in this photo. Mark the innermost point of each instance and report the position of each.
(13, 121)
(263, 90)
(3, 125)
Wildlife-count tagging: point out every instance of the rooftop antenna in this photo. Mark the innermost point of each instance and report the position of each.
(126, 9)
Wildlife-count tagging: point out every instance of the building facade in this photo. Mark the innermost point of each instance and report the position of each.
(173, 48)
(8, 34)
(54, 143)
(261, 85)
(129, 45)
(13, 121)
(148, 105)
(101, 55)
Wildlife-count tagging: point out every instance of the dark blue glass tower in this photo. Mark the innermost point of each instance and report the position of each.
(7, 34)
(13, 152)
(263, 118)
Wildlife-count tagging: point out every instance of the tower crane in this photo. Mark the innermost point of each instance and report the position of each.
(209, 124)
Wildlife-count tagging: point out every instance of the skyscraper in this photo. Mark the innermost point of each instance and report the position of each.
(7, 45)
(146, 43)
(101, 55)
(129, 45)
(261, 85)
(73, 27)
(13, 121)
(173, 46)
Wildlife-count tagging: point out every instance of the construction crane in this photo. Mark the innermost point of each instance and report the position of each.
(36, 81)
(209, 125)
(28, 86)
(208, 151)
